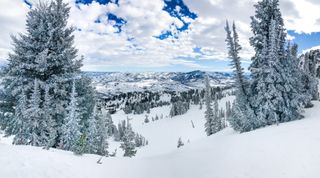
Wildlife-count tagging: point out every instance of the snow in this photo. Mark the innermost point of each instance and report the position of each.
(116, 82)
(163, 134)
(310, 49)
(289, 150)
